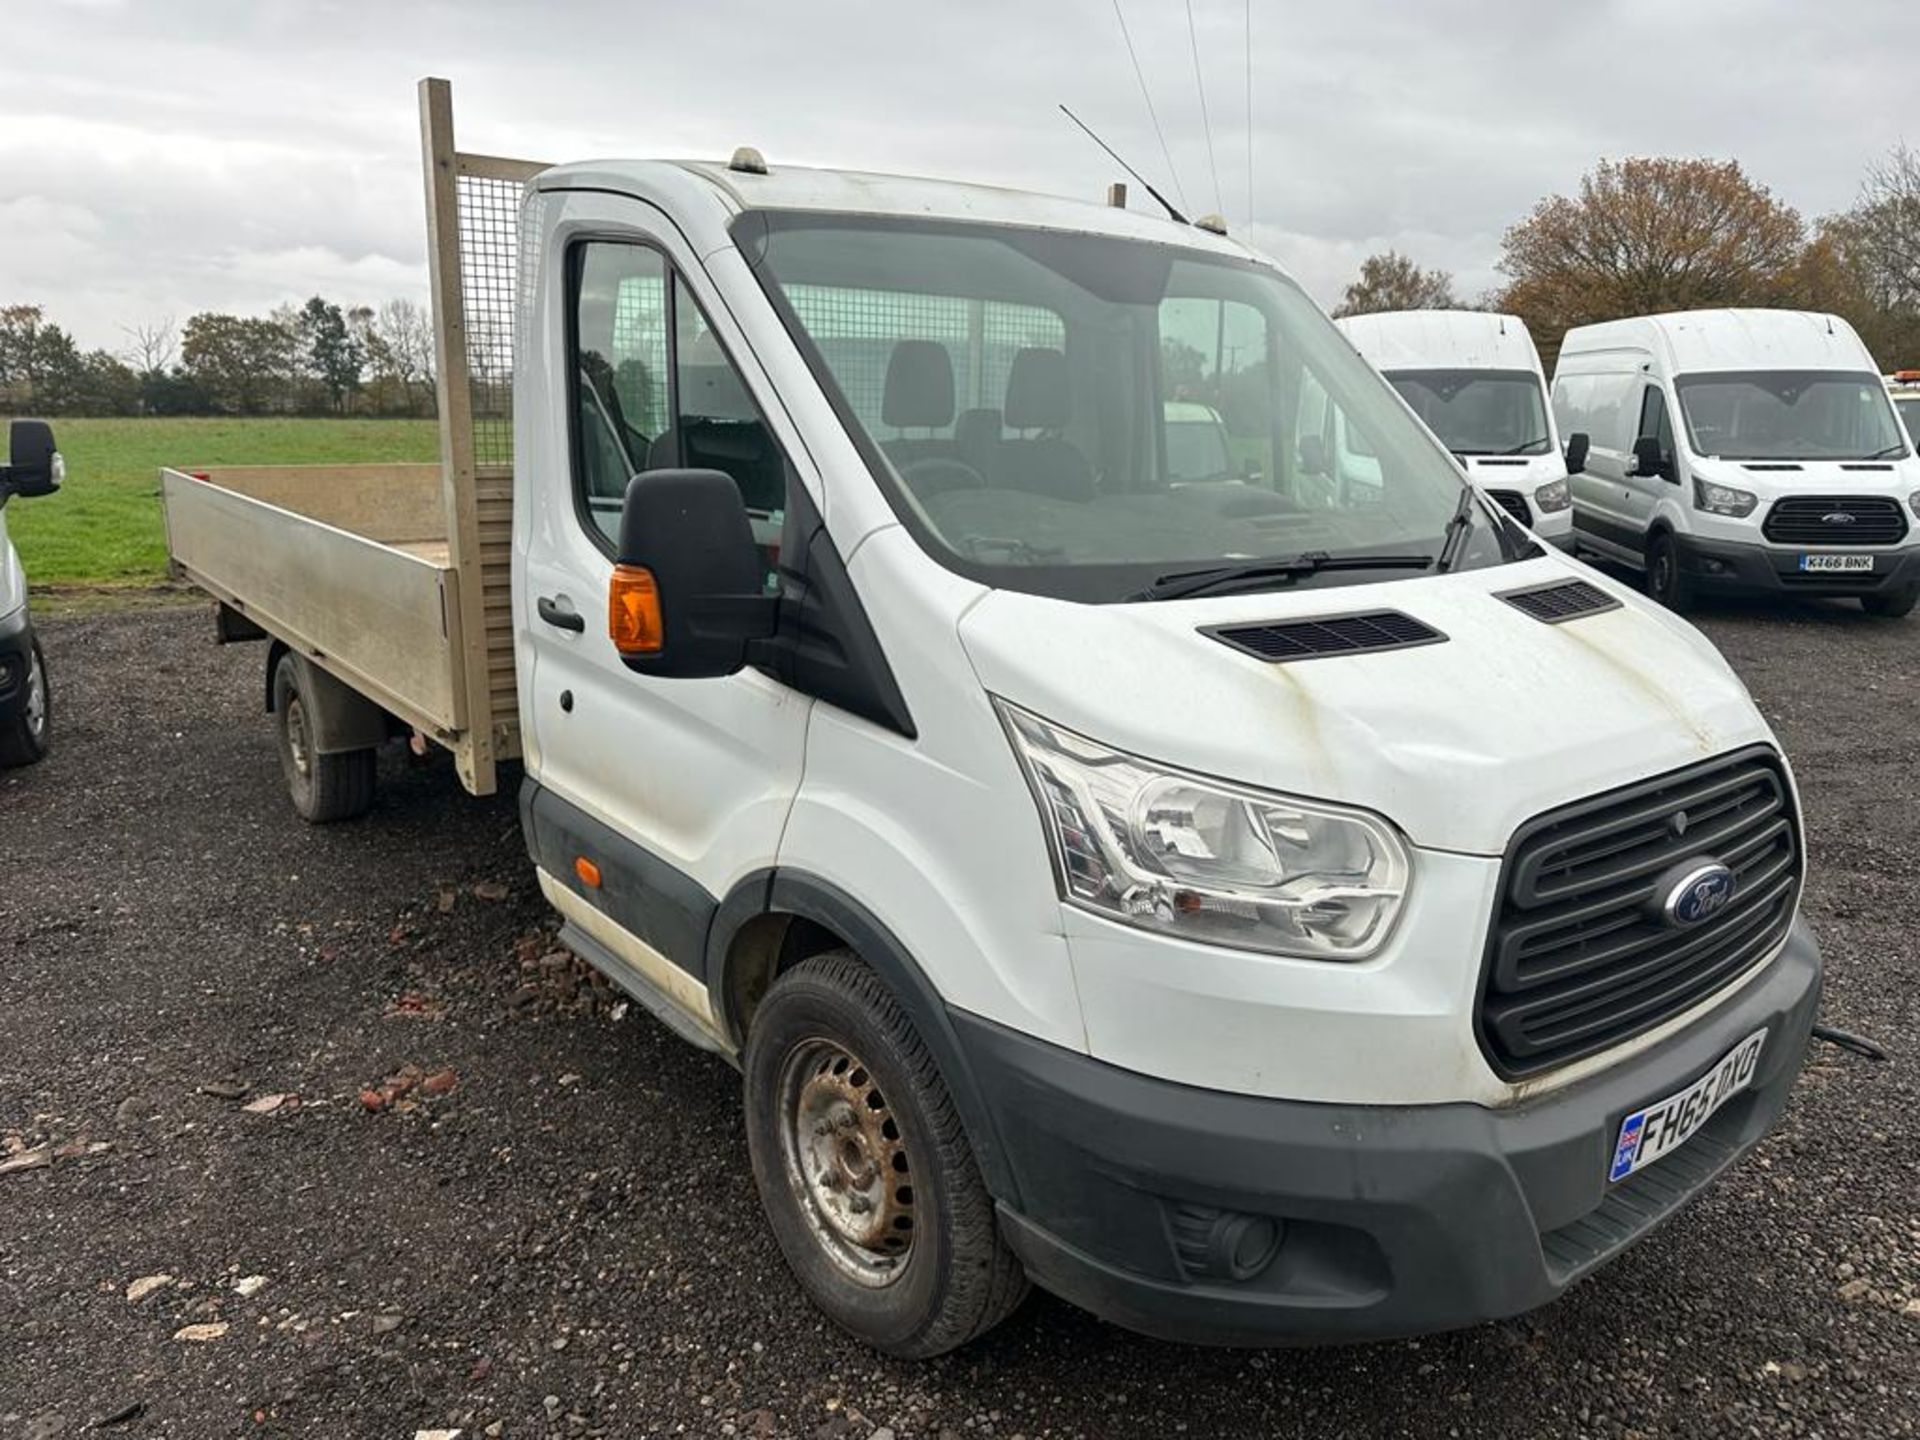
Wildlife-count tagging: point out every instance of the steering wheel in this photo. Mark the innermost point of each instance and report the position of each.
(935, 476)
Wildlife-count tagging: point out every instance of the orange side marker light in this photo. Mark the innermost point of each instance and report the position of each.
(588, 872)
(633, 611)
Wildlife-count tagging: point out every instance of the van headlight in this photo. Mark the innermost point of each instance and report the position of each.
(1913, 503)
(1552, 496)
(1206, 861)
(1722, 499)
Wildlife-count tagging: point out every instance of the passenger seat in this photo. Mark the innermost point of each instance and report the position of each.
(1040, 398)
(918, 395)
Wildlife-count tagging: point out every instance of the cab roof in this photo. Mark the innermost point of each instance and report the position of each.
(1442, 340)
(1693, 341)
(711, 193)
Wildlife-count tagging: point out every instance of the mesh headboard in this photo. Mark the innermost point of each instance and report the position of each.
(489, 207)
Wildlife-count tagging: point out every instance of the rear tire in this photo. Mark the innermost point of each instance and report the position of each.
(864, 1170)
(1665, 580)
(26, 738)
(1892, 604)
(323, 788)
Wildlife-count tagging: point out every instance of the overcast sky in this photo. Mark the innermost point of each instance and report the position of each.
(159, 157)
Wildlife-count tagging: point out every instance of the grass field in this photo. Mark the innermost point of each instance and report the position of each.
(104, 526)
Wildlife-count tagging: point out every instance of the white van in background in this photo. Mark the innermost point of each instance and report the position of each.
(34, 467)
(1477, 382)
(1742, 450)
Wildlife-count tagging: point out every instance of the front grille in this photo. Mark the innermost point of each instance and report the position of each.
(1560, 600)
(1580, 958)
(1813, 520)
(1326, 635)
(1514, 503)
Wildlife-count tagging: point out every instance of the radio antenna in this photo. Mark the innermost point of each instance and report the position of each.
(1145, 183)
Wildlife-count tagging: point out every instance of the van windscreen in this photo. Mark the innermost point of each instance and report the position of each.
(1479, 412)
(1790, 415)
(1080, 415)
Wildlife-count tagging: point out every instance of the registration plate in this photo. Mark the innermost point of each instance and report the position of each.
(1845, 563)
(1664, 1127)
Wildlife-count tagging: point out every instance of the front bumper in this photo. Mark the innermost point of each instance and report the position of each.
(1729, 567)
(1393, 1220)
(16, 658)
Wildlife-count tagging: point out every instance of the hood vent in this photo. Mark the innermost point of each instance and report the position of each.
(1770, 465)
(1491, 461)
(1326, 635)
(1562, 600)
(1866, 466)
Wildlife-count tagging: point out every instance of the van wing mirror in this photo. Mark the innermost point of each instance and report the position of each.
(1578, 444)
(1313, 455)
(1647, 457)
(688, 597)
(34, 466)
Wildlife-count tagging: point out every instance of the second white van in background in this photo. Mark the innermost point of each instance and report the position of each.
(1477, 382)
(1742, 450)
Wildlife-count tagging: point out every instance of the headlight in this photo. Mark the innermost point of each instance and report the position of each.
(1722, 499)
(1205, 861)
(1552, 496)
(1913, 502)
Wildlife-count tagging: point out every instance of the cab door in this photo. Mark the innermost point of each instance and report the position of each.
(670, 791)
(1644, 490)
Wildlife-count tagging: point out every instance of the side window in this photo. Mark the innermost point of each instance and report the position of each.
(1654, 422)
(620, 379)
(654, 389)
(1215, 372)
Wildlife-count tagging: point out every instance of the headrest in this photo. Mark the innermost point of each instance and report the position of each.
(1038, 396)
(919, 385)
(976, 428)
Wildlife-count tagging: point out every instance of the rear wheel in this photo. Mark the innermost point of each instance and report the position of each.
(29, 735)
(324, 787)
(1665, 580)
(864, 1170)
(1891, 604)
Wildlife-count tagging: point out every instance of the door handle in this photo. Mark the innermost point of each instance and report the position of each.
(560, 618)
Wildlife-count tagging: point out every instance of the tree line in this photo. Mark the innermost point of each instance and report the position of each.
(313, 359)
(1646, 235)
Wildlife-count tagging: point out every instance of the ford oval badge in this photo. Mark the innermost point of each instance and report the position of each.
(1698, 896)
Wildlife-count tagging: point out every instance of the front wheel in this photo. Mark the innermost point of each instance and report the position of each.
(26, 738)
(323, 787)
(1666, 582)
(864, 1170)
(1891, 604)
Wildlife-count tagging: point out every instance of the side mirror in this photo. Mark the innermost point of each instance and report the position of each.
(1313, 455)
(1578, 444)
(34, 466)
(688, 599)
(1647, 458)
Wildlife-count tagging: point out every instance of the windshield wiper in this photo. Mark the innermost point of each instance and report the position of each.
(1523, 446)
(1887, 453)
(1458, 528)
(1183, 583)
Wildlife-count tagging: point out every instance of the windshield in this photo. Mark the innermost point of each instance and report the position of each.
(1078, 415)
(1790, 415)
(1479, 412)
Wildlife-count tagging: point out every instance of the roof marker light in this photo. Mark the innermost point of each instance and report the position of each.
(748, 161)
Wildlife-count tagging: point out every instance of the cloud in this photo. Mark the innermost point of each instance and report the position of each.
(229, 154)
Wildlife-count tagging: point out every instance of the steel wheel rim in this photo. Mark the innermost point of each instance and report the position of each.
(297, 737)
(846, 1163)
(36, 711)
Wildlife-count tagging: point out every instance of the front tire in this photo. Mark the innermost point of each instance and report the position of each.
(1666, 582)
(323, 788)
(28, 736)
(1892, 604)
(864, 1170)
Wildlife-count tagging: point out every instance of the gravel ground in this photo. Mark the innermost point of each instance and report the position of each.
(554, 1232)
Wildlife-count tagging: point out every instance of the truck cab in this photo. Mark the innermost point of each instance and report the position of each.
(34, 468)
(1476, 381)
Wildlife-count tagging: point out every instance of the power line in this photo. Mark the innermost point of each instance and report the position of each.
(1206, 124)
(1152, 114)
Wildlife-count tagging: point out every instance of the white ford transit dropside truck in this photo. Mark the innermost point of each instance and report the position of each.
(1742, 451)
(1476, 380)
(1253, 910)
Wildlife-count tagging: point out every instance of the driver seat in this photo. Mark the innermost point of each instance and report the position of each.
(1040, 398)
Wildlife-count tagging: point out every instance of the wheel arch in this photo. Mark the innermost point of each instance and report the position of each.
(776, 918)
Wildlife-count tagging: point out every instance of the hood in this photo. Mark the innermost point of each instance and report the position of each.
(1456, 742)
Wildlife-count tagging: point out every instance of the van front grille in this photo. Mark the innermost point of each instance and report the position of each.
(1514, 503)
(1581, 957)
(1836, 520)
